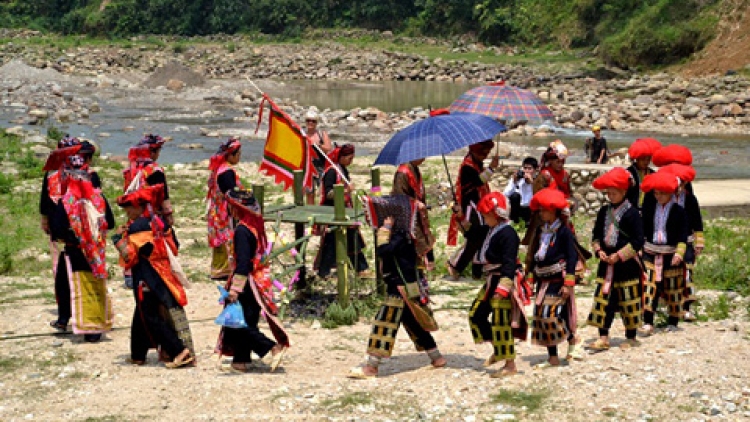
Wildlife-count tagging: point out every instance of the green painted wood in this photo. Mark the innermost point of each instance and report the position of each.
(342, 260)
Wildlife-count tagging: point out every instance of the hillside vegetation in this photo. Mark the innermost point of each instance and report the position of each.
(627, 33)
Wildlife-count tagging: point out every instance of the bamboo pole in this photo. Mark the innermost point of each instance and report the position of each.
(342, 264)
(299, 228)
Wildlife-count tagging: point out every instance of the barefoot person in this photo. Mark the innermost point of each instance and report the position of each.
(665, 228)
(695, 241)
(251, 286)
(551, 263)
(472, 184)
(147, 247)
(223, 178)
(616, 240)
(503, 295)
(81, 220)
(399, 250)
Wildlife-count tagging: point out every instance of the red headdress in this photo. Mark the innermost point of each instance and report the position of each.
(643, 147)
(685, 173)
(227, 148)
(484, 145)
(243, 201)
(145, 195)
(59, 157)
(153, 141)
(617, 178)
(549, 199)
(494, 202)
(672, 154)
(662, 181)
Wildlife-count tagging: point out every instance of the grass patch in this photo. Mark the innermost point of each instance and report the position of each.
(357, 398)
(529, 402)
(718, 309)
(721, 265)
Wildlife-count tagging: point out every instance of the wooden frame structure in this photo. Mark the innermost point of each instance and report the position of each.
(338, 217)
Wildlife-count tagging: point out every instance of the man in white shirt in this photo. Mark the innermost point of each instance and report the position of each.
(520, 189)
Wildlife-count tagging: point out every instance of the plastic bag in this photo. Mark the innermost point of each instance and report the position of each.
(232, 316)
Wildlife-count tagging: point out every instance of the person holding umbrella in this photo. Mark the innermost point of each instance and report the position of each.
(473, 184)
(408, 181)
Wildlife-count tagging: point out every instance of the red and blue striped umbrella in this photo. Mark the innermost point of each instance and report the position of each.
(437, 135)
(505, 103)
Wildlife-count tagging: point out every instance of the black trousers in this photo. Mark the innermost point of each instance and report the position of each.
(354, 245)
(62, 291)
(648, 317)
(517, 212)
(249, 339)
(150, 328)
(474, 240)
(612, 307)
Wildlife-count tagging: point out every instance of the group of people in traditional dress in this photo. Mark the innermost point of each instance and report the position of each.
(646, 239)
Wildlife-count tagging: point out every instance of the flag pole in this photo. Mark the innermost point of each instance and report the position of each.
(317, 148)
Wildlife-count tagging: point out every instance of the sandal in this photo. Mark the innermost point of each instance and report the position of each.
(599, 345)
(277, 358)
(689, 317)
(490, 361)
(135, 362)
(59, 326)
(574, 352)
(441, 364)
(358, 373)
(546, 365)
(179, 363)
(452, 273)
(629, 344)
(503, 373)
(240, 370)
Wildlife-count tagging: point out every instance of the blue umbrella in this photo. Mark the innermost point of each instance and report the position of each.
(438, 135)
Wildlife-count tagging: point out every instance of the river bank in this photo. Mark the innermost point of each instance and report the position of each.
(581, 93)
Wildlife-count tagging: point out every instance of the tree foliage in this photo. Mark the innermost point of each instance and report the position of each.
(629, 32)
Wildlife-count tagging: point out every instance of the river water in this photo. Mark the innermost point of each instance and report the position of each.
(124, 122)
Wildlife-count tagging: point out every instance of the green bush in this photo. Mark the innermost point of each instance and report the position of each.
(337, 316)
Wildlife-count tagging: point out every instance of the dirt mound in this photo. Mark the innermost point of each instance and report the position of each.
(175, 71)
(17, 69)
(730, 50)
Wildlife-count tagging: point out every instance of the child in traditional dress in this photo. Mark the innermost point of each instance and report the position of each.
(695, 242)
(551, 263)
(250, 284)
(504, 293)
(616, 240)
(640, 152)
(665, 229)
(148, 248)
(400, 249)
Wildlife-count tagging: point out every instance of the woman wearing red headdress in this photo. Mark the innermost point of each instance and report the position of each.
(616, 240)
(504, 294)
(696, 241)
(145, 171)
(223, 178)
(147, 247)
(472, 184)
(551, 263)
(342, 158)
(81, 220)
(640, 152)
(250, 284)
(665, 228)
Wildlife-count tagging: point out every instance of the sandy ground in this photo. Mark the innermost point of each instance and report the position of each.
(678, 376)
